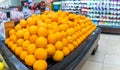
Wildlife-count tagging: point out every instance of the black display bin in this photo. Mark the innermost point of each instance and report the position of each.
(75, 60)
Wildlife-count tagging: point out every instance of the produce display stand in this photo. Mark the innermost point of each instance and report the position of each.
(110, 29)
(75, 60)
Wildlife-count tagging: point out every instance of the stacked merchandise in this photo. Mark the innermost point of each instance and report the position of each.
(49, 35)
(102, 12)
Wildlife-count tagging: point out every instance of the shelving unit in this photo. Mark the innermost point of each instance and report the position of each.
(103, 12)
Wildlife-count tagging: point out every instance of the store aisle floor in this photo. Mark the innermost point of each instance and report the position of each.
(107, 56)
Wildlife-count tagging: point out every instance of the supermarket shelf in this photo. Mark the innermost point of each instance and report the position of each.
(110, 29)
(77, 57)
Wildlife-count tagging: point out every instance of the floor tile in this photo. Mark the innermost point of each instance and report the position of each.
(89, 65)
(112, 59)
(110, 67)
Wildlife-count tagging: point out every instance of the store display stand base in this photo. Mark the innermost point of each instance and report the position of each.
(73, 61)
(110, 29)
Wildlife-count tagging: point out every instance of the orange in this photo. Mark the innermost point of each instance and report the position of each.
(18, 27)
(58, 56)
(50, 31)
(7, 40)
(72, 31)
(18, 50)
(20, 34)
(31, 48)
(12, 32)
(46, 12)
(33, 30)
(50, 49)
(63, 34)
(75, 43)
(58, 36)
(66, 51)
(31, 21)
(83, 30)
(71, 24)
(65, 42)
(63, 27)
(30, 60)
(50, 26)
(54, 23)
(71, 47)
(26, 36)
(13, 38)
(51, 39)
(79, 41)
(42, 32)
(23, 55)
(70, 39)
(23, 23)
(70, 16)
(40, 54)
(40, 65)
(47, 21)
(13, 47)
(33, 38)
(58, 45)
(41, 24)
(74, 37)
(10, 44)
(68, 31)
(56, 29)
(25, 45)
(19, 42)
(24, 30)
(41, 42)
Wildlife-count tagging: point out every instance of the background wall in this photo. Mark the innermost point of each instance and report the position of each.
(15, 2)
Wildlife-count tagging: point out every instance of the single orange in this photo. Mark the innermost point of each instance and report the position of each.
(12, 32)
(30, 60)
(19, 42)
(13, 47)
(51, 39)
(65, 42)
(25, 45)
(31, 48)
(33, 38)
(18, 50)
(26, 36)
(33, 30)
(18, 27)
(42, 32)
(40, 65)
(50, 49)
(7, 40)
(23, 23)
(31, 21)
(41, 42)
(58, 45)
(71, 47)
(70, 39)
(58, 56)
(10, 44)
(66, 51)
(40, 54)
(58, 36)
(23, 55)
(20, 34)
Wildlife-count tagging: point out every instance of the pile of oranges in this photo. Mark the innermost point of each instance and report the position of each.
(48, 35)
